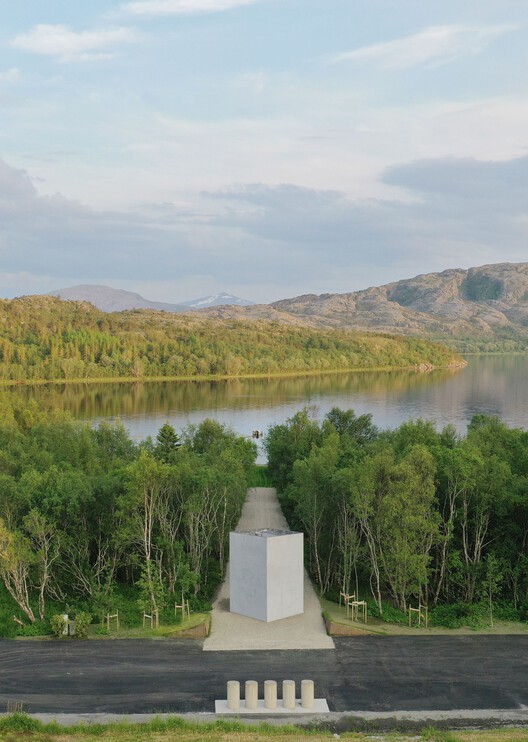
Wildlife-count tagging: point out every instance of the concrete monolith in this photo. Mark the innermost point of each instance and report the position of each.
(307, 694)
(251, 694)
(233, 695)
(288, 694)
(270, 694)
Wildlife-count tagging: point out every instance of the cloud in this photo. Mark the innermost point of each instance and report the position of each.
(434, 45)
(52, 234)
(289, 239)
(67, 45)
(464, 212)
(503, 183)
(154, 8)
(10, 76)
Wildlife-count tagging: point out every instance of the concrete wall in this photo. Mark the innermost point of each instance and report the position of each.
(266, 574)
(285, 571)
(247, 575)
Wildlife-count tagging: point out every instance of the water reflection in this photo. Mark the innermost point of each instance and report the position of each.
(491, 385)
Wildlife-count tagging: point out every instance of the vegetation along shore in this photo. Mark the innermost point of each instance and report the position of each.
(46, 339)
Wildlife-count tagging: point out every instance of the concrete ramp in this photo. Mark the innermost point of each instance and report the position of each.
(230, 631)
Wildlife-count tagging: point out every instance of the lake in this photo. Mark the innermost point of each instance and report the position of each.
(494, 385)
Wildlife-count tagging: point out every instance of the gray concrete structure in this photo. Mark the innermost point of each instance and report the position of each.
(232, 631)
(266, 574)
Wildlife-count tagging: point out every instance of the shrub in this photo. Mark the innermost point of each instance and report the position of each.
(39, 628)
(456, 615)
(58, 624)
(82, 621)
(506, 611)
(19, 722)
(390, 614)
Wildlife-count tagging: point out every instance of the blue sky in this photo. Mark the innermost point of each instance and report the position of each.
(264, 147)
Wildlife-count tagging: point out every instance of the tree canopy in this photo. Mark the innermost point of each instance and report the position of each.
(43, 338)
(411, 513)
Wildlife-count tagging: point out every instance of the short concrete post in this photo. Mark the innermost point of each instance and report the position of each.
(270, 694)
(251, 694)
(288, 694)
(307, 694)
(233, 695)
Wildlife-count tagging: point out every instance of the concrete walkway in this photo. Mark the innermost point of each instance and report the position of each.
(230, 631)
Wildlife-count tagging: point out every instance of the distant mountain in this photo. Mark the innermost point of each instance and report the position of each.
(483, 308)
(218, 300)
(108, 299)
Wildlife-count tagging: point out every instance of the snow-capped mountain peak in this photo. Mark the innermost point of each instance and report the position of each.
(217, 300)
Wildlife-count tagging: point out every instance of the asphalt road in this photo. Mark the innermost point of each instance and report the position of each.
(361, 674)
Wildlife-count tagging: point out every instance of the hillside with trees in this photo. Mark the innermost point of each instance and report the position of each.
(44, 338)
(479, 309)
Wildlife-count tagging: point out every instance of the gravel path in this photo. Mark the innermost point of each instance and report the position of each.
(230, 631)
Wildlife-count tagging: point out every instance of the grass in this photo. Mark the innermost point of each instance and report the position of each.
(259, 476)
(21, 726)
(125, 600)
(338, 614)
(170, 631)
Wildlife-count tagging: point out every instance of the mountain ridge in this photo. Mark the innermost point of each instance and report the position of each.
(472, 309)
(476, 309)
(108, 299)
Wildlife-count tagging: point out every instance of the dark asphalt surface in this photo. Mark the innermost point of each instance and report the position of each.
(361, 674)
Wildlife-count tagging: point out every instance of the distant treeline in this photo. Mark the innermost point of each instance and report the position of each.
(413, 514)
(43, 338)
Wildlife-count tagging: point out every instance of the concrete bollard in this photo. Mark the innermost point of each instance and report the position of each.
(233, 695)
(270, 694)
(288, 694)
(251, 694)
(307, 694)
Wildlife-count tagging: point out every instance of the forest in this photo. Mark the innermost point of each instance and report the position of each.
(88, 517)
(46, 339)
(411, 514)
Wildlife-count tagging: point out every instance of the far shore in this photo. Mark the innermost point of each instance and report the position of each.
(417, 368)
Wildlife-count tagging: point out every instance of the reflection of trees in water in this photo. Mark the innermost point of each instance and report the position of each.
(86, 401)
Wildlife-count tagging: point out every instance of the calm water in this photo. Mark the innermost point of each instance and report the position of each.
(495, 385)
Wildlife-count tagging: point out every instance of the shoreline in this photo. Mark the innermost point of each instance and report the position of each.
(416, 368)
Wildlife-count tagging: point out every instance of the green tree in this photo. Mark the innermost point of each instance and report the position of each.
(16, 560)
(314, 494)
(409, 525)
(167, 444)
(147, 486)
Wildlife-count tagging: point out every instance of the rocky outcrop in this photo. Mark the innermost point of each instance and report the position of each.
(472, 309)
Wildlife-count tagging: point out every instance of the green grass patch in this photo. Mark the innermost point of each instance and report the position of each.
(259, 476)
(21, 726)
(165, 631)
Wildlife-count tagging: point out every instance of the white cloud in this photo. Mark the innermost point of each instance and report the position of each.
(434, 45)
(181, 7)
(286, 238)
(60, 41)
(10, 76)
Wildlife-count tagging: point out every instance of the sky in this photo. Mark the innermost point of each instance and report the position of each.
(267, 148)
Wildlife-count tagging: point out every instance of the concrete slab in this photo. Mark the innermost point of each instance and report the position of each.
(320, 707)
(230, 631)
